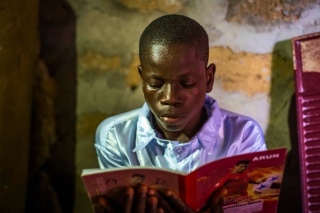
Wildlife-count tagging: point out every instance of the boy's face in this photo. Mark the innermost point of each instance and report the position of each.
(175, 82)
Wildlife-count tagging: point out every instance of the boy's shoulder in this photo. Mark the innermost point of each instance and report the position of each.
(119, 119)
(233, 118)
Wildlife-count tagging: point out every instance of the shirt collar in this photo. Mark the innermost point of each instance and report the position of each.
(208, 133)
(206, 136)
(145, 131)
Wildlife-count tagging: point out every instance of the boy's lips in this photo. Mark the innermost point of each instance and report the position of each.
(171, 119)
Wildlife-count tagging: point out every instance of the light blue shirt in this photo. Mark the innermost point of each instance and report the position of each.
(129, 139)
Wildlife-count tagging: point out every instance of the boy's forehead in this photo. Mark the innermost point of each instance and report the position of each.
(160, 53)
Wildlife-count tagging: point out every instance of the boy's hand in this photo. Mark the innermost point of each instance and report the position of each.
(169, 201)
(141, 199)
(127, 200)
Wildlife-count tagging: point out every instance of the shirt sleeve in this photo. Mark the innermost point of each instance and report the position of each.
(107, 146)
(254, 138)
(249, 139)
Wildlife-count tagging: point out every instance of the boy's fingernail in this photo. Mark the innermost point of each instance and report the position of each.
(151, 192)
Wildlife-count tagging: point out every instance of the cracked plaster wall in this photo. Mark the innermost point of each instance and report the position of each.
(249, 42)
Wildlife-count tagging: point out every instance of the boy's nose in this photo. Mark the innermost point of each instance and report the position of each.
(171, 95)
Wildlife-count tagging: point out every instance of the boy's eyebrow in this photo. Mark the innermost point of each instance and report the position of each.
(154, 76)
(189, 73)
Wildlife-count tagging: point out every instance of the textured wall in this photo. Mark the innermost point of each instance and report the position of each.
(18, 54)
(249, 42)
(51, 163)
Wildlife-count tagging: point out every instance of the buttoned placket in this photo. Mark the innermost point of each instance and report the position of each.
(172, 156)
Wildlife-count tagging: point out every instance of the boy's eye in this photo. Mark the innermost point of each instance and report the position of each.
(155, 85)
(188, 84)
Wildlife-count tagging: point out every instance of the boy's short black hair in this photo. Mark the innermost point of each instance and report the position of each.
(175, 29)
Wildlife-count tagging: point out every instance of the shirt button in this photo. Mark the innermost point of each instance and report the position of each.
(179, 150)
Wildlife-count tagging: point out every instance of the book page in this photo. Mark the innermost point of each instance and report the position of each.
(252, 186)
(100, 182)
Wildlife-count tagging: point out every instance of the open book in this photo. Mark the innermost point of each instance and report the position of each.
(243, 183)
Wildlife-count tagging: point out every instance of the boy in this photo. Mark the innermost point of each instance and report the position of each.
(179, 127)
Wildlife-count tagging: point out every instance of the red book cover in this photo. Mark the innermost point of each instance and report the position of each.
(244, 183)
(306, 55)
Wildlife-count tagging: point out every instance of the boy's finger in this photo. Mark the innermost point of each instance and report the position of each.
(177, 202)
(160, 210)
(152, 204)
(141, 199)
(163, 204)
(128, 200)
(106, 204)
(99, 209)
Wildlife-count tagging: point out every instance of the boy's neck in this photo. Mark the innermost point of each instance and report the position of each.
(182, 138)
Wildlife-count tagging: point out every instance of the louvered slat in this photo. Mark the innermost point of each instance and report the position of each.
(306, 51)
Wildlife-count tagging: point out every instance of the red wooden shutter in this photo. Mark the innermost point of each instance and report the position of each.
(306, 55)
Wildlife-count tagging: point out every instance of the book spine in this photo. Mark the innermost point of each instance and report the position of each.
(182, 188)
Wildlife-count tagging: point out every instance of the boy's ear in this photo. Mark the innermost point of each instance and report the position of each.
(211, 70)
(139, 70)
(140, 73)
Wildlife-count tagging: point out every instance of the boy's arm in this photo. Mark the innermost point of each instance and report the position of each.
(254, 141)
(128, 200)
(115, 140)
(250, 140)
(107, 148)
